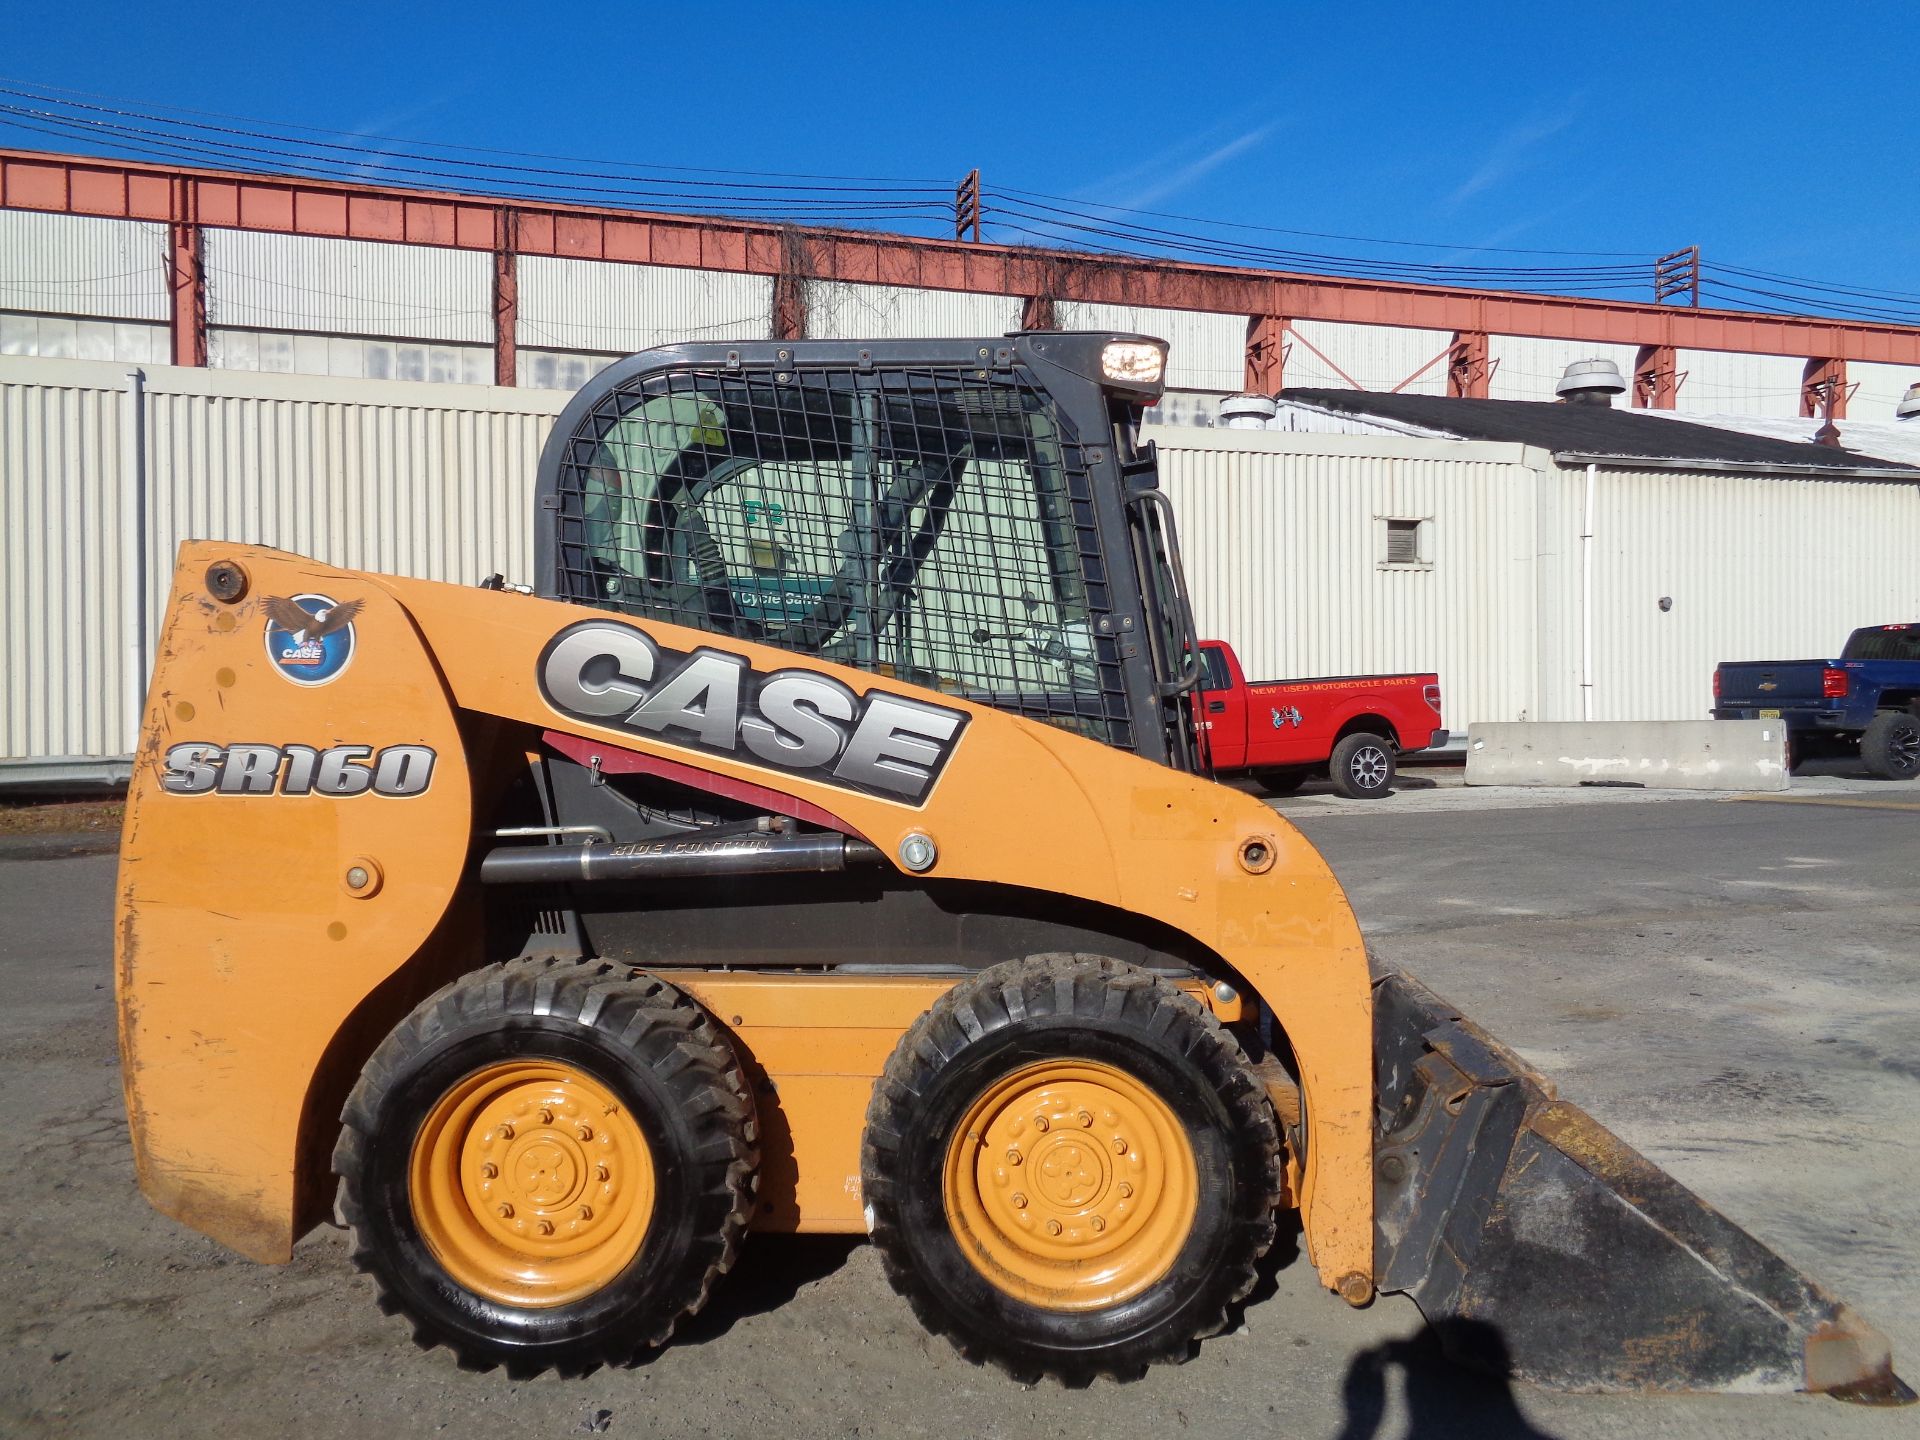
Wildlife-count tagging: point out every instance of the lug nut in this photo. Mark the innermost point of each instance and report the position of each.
(1013, 1157)
(505, 1210)
(586, 1212)
(546, 1116)
(1053, 1227)
(506, 1132)
(546, 1227)
(600, 1172)
(585, 1132)
(1125, 1190)
(1098, 1224)
(1019, 1201)
(1086, 1120)
(1119, 1144)
(1040, 1122)
(489, 1171)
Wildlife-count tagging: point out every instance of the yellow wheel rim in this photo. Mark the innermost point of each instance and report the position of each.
(531, 1184)
(1071, 1185)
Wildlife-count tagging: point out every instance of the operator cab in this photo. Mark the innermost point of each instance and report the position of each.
(970, 516)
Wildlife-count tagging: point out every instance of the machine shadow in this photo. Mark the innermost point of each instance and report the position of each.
(783, 1265)
(1445, 1400)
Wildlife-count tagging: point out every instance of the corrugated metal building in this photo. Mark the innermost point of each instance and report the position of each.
(1314, 553)
(103, 471)
(78, 286)
(1706, 545)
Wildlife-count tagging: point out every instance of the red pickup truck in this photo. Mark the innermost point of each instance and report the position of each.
(1351, 728)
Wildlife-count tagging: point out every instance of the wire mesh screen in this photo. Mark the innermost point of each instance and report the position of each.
(928, 525)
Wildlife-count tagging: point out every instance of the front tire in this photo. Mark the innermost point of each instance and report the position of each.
(547, 1164)
(1363, 766)
(1070, 1169)
(1890, 748)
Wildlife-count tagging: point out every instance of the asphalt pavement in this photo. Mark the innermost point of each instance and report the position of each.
(1733, 986)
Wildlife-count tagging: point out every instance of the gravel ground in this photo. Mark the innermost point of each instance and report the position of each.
(1733, 986)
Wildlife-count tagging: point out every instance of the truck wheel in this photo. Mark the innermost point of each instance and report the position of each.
(547, 1164)
(1363, 766)
(1890, 748)
(1280, 782)
(1070, 1169)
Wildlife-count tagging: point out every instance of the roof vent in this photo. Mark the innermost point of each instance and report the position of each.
(1909, 406)
(1590, 382)
(1247, 412)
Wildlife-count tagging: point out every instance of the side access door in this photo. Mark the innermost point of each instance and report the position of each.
(1221, 703)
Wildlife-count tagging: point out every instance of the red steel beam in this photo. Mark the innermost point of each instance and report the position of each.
(1656, 378)
(186, 278)
(506, 300)
(1821, 378)
(123, 189)
(1266, 354)
(1469, 372)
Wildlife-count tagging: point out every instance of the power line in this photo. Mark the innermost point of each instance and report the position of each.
(1320, 234)
(259, 146)
(49, 91)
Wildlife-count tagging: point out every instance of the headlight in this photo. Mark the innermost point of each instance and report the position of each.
(1133, 362)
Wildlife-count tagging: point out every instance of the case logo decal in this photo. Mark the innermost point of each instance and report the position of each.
(798, 722)
(310, 637)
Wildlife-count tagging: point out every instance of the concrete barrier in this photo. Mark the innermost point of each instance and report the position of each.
(1666, 754)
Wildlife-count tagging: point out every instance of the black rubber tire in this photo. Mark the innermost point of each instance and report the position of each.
(639, 1037)
(1890, 746)
(1086, 1007)
(1282, 781)
(1363, 766)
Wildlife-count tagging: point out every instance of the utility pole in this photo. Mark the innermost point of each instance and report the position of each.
(1678, 274)
(967, 207)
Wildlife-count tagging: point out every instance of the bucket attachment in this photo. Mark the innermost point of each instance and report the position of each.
(1541, 1246)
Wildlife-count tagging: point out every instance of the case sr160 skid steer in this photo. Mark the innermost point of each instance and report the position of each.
(824, 845)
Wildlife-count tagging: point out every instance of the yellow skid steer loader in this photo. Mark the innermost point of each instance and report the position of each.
(824, 844)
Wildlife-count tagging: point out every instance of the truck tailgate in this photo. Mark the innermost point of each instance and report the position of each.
(1772, 684)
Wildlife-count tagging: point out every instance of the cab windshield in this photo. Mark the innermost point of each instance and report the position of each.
(932, 527)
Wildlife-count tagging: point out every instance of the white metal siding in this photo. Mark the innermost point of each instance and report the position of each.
(1877, 389)
(407, 478)
(1207, 351)
(1758, 568)
(1376, 357)
(71, 337)
(81, 265)
(1282, 540)
(1527, 368)
(348, 287)
(1720, 382)
(616, 309)
(63, 590)
(837, 310)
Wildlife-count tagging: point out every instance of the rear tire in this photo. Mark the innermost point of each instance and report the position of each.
(583, 1238)
(1162, 1161)
(1363, 766)
(1890, 748)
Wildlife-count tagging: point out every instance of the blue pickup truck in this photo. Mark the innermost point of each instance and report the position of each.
(1866, 701)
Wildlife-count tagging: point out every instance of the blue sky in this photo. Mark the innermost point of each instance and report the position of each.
(1782, 137)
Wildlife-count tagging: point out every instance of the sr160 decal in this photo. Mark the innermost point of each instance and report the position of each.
(397, 771)
(795, 721)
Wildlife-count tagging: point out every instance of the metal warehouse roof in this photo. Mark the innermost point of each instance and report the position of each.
(1589, 430)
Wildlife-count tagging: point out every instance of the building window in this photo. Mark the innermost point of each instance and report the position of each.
(1406, 543)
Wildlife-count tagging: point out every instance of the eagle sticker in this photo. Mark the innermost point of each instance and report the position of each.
(310, 637)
